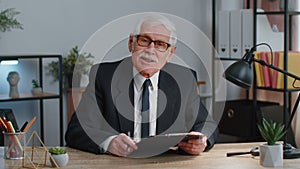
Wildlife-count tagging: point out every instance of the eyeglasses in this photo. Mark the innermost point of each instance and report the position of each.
(145, 41)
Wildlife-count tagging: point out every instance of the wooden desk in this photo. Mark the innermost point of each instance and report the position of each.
(214, 159)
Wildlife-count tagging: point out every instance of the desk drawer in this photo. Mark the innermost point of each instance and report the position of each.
(240, 119)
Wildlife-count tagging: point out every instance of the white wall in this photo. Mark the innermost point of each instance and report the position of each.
(55, 26)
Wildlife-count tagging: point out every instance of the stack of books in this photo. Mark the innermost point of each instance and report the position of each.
(269, 78)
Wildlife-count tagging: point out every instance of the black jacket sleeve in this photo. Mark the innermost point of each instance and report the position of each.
(77, 138)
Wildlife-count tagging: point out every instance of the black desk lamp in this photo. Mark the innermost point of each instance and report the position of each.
(240, 73)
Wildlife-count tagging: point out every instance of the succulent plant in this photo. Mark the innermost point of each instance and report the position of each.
(57, 150)
(271, 131)
(35, 84)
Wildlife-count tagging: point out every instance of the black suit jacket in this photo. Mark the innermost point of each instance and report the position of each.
(107, 107)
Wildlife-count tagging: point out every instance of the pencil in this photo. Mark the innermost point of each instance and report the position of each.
(29, 124)
(3, 124)
(7, 125)
(10, 127)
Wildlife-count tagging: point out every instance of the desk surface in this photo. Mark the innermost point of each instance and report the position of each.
(214, 159)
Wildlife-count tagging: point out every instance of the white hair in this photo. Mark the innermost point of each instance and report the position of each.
(157, 19)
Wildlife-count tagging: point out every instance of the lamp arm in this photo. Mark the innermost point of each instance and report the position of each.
(263, 63)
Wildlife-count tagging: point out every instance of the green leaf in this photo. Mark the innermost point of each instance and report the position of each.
(35, 84)
(57, 150)
(271, 131)
(8, 20)
(81, 60)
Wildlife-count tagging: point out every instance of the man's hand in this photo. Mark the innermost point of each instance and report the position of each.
(122, 145)
(194, 146)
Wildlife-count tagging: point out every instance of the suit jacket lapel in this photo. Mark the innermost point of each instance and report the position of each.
(124, 96)
(168, 102)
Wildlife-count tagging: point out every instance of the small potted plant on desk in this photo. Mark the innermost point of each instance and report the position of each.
(60, 156)
(271, 154)
(36, 88)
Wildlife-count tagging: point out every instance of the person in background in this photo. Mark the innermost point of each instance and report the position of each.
(122, 94)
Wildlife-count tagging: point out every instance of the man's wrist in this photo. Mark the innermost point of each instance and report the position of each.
(104, 145)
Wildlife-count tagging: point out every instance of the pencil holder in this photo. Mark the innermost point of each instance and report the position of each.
(13, 145)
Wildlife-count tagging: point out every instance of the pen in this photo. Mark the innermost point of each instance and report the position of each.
(23, 127)
(29, 124)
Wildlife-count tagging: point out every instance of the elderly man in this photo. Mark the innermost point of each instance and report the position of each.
(141, 96)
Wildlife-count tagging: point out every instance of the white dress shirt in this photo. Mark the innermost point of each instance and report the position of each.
(138, 89)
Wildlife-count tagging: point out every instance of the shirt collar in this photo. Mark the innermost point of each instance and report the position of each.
(139, 79)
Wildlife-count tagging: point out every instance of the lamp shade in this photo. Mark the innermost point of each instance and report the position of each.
(240, 73)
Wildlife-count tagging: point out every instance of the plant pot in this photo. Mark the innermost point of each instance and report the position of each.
(271, 155)
(37, 90)
(60, 159)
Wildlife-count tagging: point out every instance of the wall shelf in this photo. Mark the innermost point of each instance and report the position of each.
(287, 43)
(43, 96)
(28, 96)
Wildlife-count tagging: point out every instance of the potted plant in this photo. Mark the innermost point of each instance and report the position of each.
(8, 20)
(82, 62)
(60, 156)
(271, 154)
(36, 88)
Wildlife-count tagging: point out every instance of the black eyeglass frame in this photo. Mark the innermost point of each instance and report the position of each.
(154, 41)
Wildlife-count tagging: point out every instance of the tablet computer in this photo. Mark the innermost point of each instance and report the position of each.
(159, 144)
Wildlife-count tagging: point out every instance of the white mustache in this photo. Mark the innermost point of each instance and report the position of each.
(148, 57)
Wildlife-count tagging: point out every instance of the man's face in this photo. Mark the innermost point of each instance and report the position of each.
(150, 59)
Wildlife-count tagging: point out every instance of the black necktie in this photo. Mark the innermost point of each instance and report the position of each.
(145, 109)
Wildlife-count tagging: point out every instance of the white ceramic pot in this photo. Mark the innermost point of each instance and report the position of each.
(61, 159)
(271, 155)
(37, 90)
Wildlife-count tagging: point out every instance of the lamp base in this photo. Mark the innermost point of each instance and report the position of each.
(290, 152)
